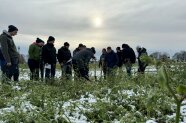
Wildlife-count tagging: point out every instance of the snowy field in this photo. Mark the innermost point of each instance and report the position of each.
(72, 110)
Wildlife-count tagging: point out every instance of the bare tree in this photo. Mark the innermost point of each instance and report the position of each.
(180, 56)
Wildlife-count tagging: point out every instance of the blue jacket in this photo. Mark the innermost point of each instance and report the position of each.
(111, 59)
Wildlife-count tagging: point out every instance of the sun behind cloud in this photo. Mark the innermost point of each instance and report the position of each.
(98, 22)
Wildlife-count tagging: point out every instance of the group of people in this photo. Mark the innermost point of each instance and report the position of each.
(43, 58)
(109, 60)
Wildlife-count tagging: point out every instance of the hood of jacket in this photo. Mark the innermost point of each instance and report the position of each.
(7, 33)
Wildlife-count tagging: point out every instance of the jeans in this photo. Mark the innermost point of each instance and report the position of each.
(13, 70)
(50, 73)
(41, 67)
(66, 71)
(2, 63)
(128, 67)
(34, 69)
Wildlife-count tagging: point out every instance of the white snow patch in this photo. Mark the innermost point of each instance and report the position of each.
(16, 88)
(151, 121)
(8, 109)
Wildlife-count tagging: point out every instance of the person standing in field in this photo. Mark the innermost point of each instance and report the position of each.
(10, 53)
(141, 53)
(111, 60)
(128, 57)
(81, 61)
(64, 58)
(102, 63)
(41, 62)
(34, 58)
(119, 53)
(49, 57)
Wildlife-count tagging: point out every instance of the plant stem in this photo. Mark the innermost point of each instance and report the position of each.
(178, 111)
(178, 102)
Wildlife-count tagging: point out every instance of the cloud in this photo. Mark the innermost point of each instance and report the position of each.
(152, 23)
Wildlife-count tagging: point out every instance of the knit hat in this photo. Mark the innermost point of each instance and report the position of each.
(118, 48)
(38, 40)
(80, 45)
(66, 44)
(12, 28)
(51, 38)
(125, 46)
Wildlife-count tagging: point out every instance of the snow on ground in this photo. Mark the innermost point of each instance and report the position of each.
(76, 115)
(183, 111)
(151, 121)
(25, 73)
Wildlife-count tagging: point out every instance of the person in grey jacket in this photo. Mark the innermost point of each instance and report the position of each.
(10, 53)
(81, 61)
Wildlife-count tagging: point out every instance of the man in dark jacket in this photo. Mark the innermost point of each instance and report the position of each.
(128, 57)
(81, 61)
(141, 65)
(10, 53)
(49, 58)
(102, 63)
(34, 58)
(64, 58)
(111, 60)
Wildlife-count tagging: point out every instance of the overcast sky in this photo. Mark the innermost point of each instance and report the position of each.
(158, 25)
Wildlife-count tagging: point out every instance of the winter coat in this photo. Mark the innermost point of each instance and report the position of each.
(49, 54)
(8, 47)
(128, 55)
(34, 52)
(111, 59)
(83, 57)
(120, 62)
(76, 51)
(64, 55)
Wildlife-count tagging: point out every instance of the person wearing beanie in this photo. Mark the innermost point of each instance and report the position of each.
(64, 58)
(12, 28)
(34, 58)
(128, 57)
(10, 54)
(81, 61)
(49, 58)
(50, 38)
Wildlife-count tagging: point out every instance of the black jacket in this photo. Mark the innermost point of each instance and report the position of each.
(63, 55)
(120, 62)
(128, 55)
(76, 51)
(49, 53)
